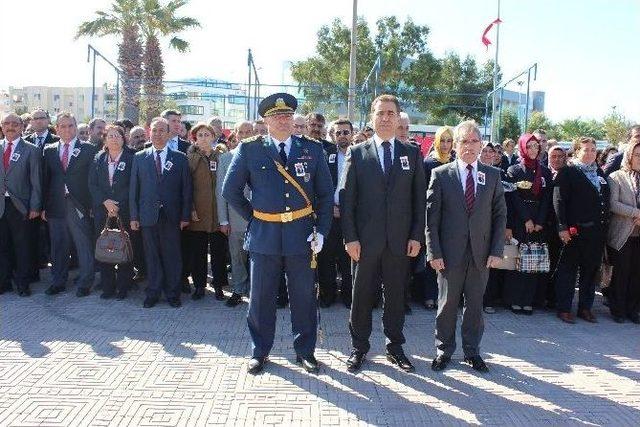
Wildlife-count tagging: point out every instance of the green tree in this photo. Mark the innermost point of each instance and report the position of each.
(570, 129)
(539, 120)
(122, 21)
(615, 127)
(509, 125)
(160, 21)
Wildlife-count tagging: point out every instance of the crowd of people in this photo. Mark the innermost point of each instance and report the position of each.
(262, 206)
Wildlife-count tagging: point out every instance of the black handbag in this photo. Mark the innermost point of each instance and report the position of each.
(113, 245)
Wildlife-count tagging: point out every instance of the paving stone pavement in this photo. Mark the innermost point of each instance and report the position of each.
(70, 361)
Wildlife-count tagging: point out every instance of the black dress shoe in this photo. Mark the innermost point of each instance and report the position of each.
(347, 302)
(440, 363)
(219, 294)
(107, 295)
(54, 290)
(618, 319)
(635, 318)
(256, 365)
(281, 301)
(24, 292)
(121, 295)
(82, 292)
(355, 361)
(150, 302)
(477, 363)
(198, 294)
(234, 300)
(186, 288)
(309, 363)
(401, 360)
(174, 302)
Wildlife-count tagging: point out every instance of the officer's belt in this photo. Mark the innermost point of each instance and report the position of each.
(292, 215)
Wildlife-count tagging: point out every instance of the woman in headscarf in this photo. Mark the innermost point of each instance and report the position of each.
(530, 207)
(441, 153)
(624, 238)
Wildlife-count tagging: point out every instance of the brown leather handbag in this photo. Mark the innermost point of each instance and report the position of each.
(113, 245)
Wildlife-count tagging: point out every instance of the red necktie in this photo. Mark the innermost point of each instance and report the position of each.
(469, 189)
(7, 155)
(65, 156)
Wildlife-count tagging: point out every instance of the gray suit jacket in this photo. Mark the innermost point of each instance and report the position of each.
(450, 228)
(225, 212)
(22, 180)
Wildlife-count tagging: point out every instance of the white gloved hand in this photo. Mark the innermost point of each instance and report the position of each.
(316, 245)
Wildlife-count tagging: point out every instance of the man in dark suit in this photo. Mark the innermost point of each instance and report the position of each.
(541, 136)
(20, 202)
(333, 253)
(289, 214)
(466, 222)
(382, 205)
(67, 205)
(614, 162)
(160, 201)
(41, 135)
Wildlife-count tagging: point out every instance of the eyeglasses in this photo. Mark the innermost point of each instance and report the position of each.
(343, 132)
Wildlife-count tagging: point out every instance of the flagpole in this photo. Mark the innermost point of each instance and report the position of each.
(495, 77)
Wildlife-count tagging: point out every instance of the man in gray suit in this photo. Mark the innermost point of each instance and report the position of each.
(20, 202)
(231, 222)
(466, 221)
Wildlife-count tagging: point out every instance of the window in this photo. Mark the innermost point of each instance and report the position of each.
(194, 110)
(56, 98)
(234, 99)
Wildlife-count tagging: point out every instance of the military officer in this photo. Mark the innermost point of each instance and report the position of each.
(289, 214)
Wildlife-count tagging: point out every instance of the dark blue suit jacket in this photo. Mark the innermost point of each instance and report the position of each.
(76, 178)
(148, 192)
(253, 164)
(102, 190)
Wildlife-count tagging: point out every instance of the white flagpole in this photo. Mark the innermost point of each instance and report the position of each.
(495, 78)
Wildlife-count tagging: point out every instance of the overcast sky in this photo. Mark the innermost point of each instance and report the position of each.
(586, 50)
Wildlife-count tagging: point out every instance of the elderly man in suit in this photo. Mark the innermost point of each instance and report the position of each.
(382, 209)
(289, 214)
(232, 224)
(160, 201)
(67, 205)
(466, 223)
(20, 202)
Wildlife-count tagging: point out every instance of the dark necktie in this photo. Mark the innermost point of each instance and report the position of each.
(158, 163)
(40, 138)
(283, 155)
(386, 157)
(7, 155)
(469, 189)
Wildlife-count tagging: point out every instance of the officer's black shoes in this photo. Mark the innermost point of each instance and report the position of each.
(256, 365)
(150, 302)
(25, 292)
(618, 319)
(219, 294)
(398, 358)
(121, 295)
(477, 363)
(347, 301)
(174, 302)
(198, 294)
(635, 318)
(355, 361)
(281, 301)
(186, 288)
(440, 363)
(82, 292)
(234, 300)
(107, 295)
(54, 290)
(309, 363)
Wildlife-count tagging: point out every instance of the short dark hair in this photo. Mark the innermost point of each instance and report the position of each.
(187, 125)
(344, 122)
(316, 116)
(93, 122)
(386, 97)
(631, 130)
(127, 124)
(166, 113)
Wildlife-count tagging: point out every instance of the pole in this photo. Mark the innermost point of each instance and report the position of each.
(495, 72)
(526, 107)
(249, 86)
(352, 63)
(93, 86)
(117, 96)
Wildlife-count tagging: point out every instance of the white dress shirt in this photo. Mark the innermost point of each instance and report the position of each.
(380, 149)
(13, 148)
(72, 145)
(340, 157)
(287, 145)
(40, 139)
(462, 173)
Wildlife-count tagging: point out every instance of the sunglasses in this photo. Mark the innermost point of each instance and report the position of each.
(343, 132)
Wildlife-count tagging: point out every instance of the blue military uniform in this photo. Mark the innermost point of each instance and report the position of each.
(280, 222)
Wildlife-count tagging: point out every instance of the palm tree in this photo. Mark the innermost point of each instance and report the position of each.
(160, 21)
(122, 20)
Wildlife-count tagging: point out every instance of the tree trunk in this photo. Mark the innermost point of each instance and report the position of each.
(153, 75)
(130, 53)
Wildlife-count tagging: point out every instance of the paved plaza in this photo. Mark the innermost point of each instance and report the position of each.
(70, 361)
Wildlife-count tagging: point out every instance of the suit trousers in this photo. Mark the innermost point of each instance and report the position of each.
(163, 257)
(584, 253)
(15, 246)
(239, 264)
(77, 228)
(40, 245)
(138, 251)
(266, 273)
(395, 274)
(625, 284)
(198, 242)
(332, 256)
(470, 281)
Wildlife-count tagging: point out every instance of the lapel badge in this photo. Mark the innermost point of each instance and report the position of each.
(75, 152)
(15, 157)
(121, 166)
(168, 165)
(404, 162)
(299, 169)
(307, 177)
(481, 178)
(332, 158)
